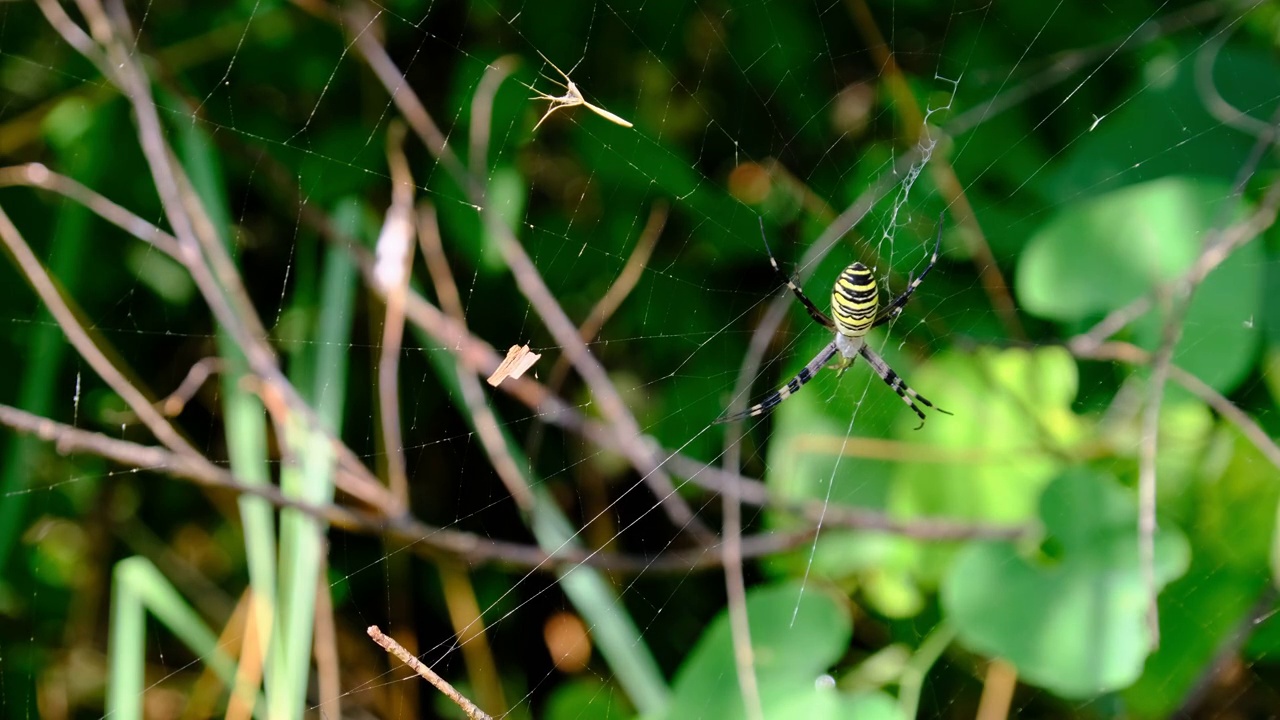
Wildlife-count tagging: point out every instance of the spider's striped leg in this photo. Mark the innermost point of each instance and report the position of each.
(894, 307)
(891, 379)
(817, 315)
(786, 391)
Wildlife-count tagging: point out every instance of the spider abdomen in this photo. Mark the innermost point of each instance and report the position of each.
(854, 301)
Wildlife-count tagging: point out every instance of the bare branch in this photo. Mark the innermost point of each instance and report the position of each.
(531, 285)
(427, 674)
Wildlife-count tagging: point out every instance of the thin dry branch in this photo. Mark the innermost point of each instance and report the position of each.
(473, 395)
(34, 271)
(482, 110)
(529, 281)
(622, 286)
(427, 674)
(482, 359)
(1250, 429)
(394, 258)
(199, 248)
(426, 540)
(913, 125)
(1215, 251)
(356, 480)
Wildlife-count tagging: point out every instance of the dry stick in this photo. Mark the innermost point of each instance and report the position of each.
(734, 576)
(481, 358)
(1214, 253)
(473, 394)
(197, 242)
(392, 265)
(626, 281)
(199, 373)
(79, 338)
(997, 690)
(482, 110)
(427, 674)
(425, 540)
(325, 649)
(1251, 430)
(949, 185)
(391, 271)
(38, 176)
(355, 479)
(468, 625)
(606, 306)
(531, 285)
(1218, 107)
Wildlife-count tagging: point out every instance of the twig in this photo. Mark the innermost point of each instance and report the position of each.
(38, 176)
(482, 110)
(622, 286)
(427, 674)
(1218, 107)
(1215, 251)
(79, 338)
(532, 286)
(426, 540)
(1250, 429)
(328, 665)
(482, 359)
(472, 393)
(394, 258)
(734, 576)
(468, 626)
(174, 403)
(997, 690)
(1214, 254)
(356, 481)
(913, 124)
(606, 306)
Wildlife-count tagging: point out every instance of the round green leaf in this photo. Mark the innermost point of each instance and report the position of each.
(1074, 625)
(795, 636)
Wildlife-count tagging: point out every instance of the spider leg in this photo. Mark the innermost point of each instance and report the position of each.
(817, 315)
(557, 103)
(557, 67)
(891, 379)
(791, 388)
(894, 307)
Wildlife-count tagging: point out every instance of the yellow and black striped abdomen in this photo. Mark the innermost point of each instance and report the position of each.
(854, 301)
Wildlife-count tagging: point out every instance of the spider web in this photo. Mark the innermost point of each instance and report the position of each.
(552, 547)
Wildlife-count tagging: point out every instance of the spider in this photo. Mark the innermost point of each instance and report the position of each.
(854, 302)
(571, 98)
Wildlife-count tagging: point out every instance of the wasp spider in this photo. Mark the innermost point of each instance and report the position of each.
(854, 302)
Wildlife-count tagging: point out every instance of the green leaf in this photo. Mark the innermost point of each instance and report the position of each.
(1075, 624)
(1103, 253)
(796, 637)
(992, 459)
(1230, 518)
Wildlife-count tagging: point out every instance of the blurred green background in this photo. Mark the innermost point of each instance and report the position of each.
(1082, 158)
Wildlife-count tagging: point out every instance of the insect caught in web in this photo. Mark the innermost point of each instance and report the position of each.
(571, 98)
(855, 302)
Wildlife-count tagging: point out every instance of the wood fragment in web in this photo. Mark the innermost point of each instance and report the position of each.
(519, 359)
